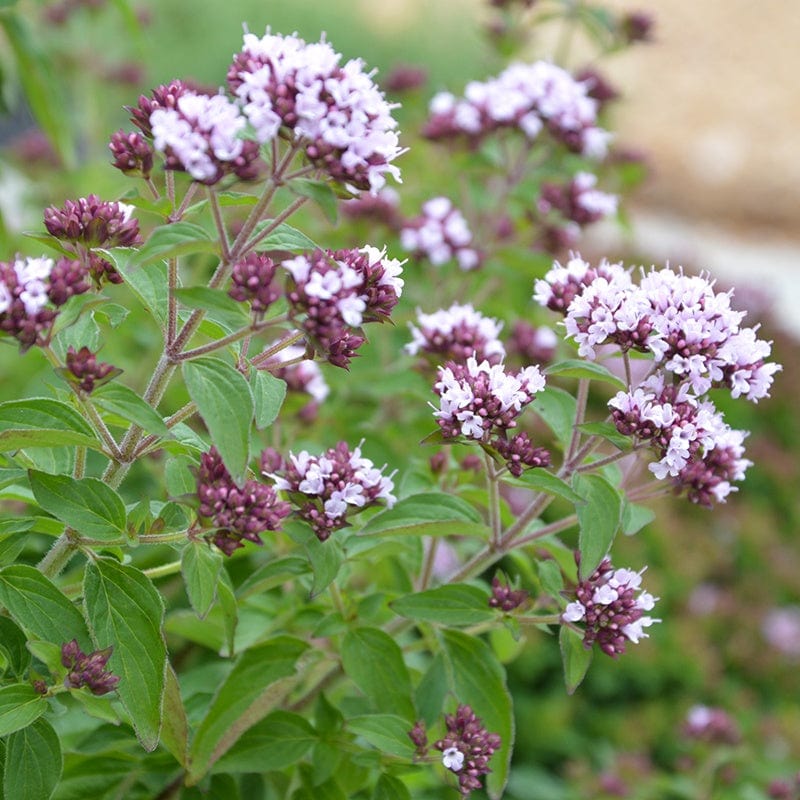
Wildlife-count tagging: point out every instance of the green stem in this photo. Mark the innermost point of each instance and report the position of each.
(231, 338)
(58, 556)
(493, 491)
(79, 470)
(222, 232)
(173, 568)
(427, 567)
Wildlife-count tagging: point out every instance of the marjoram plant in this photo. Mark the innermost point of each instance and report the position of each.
(238, 601)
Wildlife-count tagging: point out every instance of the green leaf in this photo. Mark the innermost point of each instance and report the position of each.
(599, 520)
(43, 413)
(432, 690)
(557, 408)
(119, 399)
(574, 657)
(21, 439)
(321, 193)
(172, 240)
(268, 394)
(260, 680)
(478, 680)
(387, 732)
(33, 762)
(200, 566)
(225, 403)
(178, 476)
(455, 604)
(43, 87)
(147, 281)
(609, 432)
(278, 741)
(374, 662)
(11, 545)
(284, 237)
(389, 787)
(88, 505)
(175, 728)
(13, 647)
(39, 606)
(126, 612)
(430, 514)
(273, 574)
(229, 609)
(551, 577)
(326, 558)
(543, 481)
(20, 705)
(588, 370)
(635, 517)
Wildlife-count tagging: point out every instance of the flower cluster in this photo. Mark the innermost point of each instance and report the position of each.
(466, 748)
(611, 604)
(85, 371)
(235, 512)
(253, 279)
(335, 292)
(32, 290)
(336, 112)
(578, 202)
(696, 448)
(708, 724)
(455, 334)
(478, 400)
(200, 135)
(325, 489)
(690, 329)
(88, 670)
(439, 234)
(528, 97)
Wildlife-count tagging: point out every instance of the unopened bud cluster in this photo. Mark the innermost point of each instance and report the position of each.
(88, 670)
(710, 724)
(236, 512)
(85, 371)
(504, 597)
(610, 605)
(325, 490)
(88, 223)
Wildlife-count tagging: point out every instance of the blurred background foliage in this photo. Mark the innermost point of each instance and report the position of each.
(728, 580)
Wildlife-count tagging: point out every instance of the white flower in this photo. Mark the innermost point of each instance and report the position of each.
(453, 759)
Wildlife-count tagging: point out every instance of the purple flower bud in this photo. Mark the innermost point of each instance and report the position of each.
(504, 597)
(93, 222)
(85, 371)
(238, 513)
(467, 747)
(520, 453)
(252, 280)
(132, 154)
(419, 737)
(88, 670)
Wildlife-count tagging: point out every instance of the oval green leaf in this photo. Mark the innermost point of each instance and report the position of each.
(599, 520)
(20, 705)
(456, 604)
(125, 611)
(88, 505)
(225, 403)
(33, 762)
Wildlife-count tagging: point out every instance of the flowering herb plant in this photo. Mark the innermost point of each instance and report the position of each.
(250, 599)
